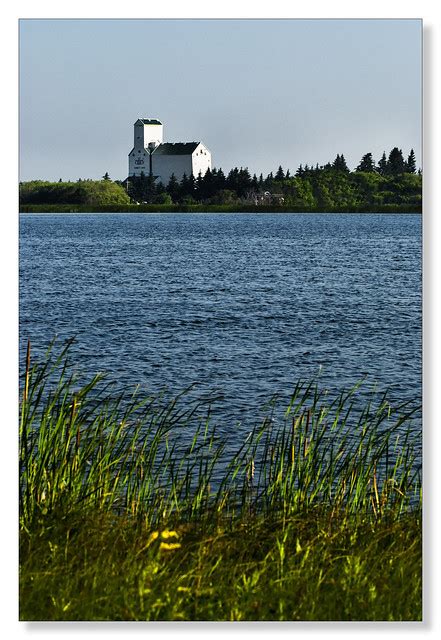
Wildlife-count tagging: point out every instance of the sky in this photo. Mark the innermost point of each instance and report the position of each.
(258, 93)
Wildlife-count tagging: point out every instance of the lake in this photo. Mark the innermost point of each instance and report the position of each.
(243, 304)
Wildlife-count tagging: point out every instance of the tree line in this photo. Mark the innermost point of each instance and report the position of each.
(394, 180)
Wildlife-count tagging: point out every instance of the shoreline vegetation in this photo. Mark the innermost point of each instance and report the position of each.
(391, 186)
(200, 208)
(125, 516)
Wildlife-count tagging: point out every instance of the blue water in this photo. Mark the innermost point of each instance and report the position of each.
(243, 304)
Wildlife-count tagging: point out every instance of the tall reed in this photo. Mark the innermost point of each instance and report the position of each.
(84, 447)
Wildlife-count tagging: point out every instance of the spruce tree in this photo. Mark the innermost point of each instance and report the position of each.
(198, 190)
(191, 185)
(208, 185)
(339, 164)
(220, 180)
(382, 165)
(280, 175)
(366, 164)
(244, 182)
(411, 162)
(173, 188)
(395, 164)
(269, 181)
(184, 186)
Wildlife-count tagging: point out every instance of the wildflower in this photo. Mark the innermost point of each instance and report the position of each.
(169, 534)
(152, 537)
(168, 546)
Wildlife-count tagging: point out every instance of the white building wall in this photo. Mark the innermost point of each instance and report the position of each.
(201, 159)
(153, 133)
(146, 133)
(139, 162)
(165, 165)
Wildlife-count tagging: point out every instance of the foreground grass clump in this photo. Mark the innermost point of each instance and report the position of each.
(125, 516)
(107, 568)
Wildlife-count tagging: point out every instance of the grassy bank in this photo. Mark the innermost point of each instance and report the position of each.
(204, 208)
(124, 516)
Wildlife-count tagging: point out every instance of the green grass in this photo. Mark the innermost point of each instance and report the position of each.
(122, 518)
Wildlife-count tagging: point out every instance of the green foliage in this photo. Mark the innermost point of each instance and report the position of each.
(367, 164)
(339, 164)
(395, 163)
(308, 568)
(119, 520)
(163, 198)
(173, 187)
(280, 175)
(382, 165)
(411, 162)
(225, 196)
(84, 192)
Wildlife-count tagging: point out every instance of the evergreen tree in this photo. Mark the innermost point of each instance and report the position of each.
(198, 190)
(300, 171)
(184, 186)
(191, 185)
(395, 164)
(106, 176)
(141, 188)
(244, 182)
(411, 163)
(382, 165)
(186, 189)
(367, 164)
(232, 180)
(220, 180)
(207, 185)
(344, 166)
(280, 175)
(339, 164)
(173, 188)
(269, 182)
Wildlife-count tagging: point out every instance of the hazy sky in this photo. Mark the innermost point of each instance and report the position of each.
(258, 93)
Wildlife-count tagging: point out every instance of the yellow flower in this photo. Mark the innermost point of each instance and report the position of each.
(152, 537)
(168, 546)
(169, 534)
